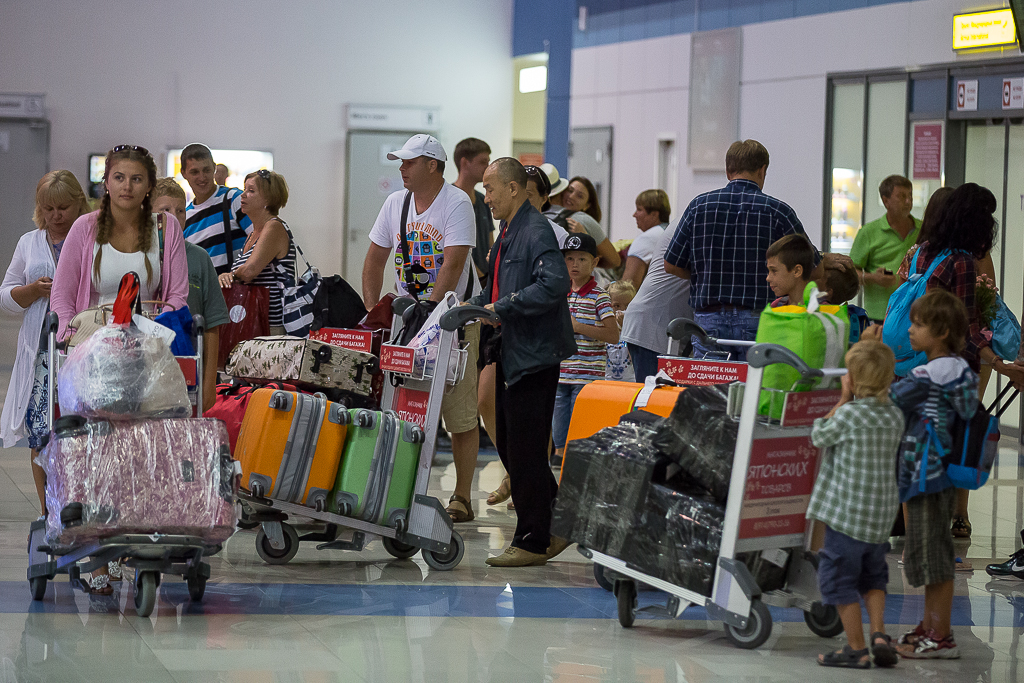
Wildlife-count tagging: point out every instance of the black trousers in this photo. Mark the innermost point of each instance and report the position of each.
(523, 412)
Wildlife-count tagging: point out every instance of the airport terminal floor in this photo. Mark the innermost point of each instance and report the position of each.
(347, 617)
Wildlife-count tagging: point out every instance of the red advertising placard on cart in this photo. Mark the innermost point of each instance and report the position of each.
(394, 358)
(411, 405)
(701, 373)
(356, 340)
(802, 408)
(780, 479)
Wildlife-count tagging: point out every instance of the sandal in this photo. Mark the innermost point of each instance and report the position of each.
(961, 528)
(99, 585)
(502, 493)
(114, 571)
(462, 513)
(882, 651)
(847, 658)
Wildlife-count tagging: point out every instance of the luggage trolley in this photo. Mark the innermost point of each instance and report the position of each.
(415, 396)
(759, 515)
(151, 555)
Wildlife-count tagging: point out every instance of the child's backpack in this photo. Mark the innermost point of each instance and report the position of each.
(896, 330)
(858, 322)
(975, 445)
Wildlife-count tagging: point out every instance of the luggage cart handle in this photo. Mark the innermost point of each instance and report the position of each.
(52, 322)
(681, 329)
(460, 315)
(763, 355)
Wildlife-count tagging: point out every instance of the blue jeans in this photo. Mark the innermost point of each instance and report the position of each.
(733, 324)
(645, 361)
(565, 399)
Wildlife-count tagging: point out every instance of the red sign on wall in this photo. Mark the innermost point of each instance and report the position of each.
(357, 340)
(927, 151)
(701, 373)
(780, 479)
(395, 358)
(411, 405)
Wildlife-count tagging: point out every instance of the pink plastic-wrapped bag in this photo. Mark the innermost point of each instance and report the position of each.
(107, 478)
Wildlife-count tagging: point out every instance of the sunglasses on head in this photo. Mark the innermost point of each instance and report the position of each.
(540, 177)
(134, 148)
(263, 173)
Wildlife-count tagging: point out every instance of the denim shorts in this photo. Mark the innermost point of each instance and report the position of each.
(728, 324)
(848, 568)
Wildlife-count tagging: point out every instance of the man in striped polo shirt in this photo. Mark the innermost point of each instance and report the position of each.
(214, 219)
(593, 321)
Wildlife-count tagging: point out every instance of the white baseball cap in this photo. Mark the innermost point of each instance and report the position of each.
(421, 145)
(557, 184)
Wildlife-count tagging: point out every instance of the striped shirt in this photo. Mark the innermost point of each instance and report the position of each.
(204, 226)
(275, 276)
(722, 239)
(589, 306)
(855, 492)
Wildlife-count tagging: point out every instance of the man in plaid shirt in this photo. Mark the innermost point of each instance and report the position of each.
(856, 497)
(721, 242)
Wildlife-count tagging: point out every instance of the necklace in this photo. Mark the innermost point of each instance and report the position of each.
(433, 197)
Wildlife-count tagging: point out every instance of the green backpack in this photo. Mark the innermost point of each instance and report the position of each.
(819, 334)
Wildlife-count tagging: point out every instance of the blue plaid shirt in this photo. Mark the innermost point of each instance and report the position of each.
(722, 239)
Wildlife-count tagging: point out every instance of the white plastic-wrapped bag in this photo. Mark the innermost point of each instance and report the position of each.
(428, 339)
(120, 372)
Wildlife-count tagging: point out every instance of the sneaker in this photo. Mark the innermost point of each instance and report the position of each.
(1012, 567)
(911, 637)
(930, 646)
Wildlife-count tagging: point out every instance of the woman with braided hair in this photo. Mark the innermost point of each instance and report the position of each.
(123, 236)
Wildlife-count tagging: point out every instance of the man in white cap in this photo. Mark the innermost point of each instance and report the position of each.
(439, 231)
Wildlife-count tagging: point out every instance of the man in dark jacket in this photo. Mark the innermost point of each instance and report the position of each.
(527, 287)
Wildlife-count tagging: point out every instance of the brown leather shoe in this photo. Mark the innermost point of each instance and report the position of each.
(517, 557)
(557, 545)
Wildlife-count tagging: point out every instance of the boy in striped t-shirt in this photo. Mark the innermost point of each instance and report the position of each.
(593, 321)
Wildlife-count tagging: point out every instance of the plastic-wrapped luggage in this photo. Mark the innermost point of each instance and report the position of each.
(677, 537)
(107, 478)
(700, 436)
(121, 372)
(604, 482)
(304, 362)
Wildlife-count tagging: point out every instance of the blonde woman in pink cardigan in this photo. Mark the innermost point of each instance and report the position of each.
(103, 245)
(119, 238)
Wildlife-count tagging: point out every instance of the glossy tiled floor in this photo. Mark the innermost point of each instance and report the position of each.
(342, 616)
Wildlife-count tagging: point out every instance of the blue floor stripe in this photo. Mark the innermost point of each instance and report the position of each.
(451, 601)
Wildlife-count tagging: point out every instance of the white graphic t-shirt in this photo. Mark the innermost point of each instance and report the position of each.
(448, 221)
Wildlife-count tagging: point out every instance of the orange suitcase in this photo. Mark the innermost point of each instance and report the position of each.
(600, 404)
(661, 401)
(290, 446)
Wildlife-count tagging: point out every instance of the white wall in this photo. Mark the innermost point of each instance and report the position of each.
(259, 74)
(642, 89)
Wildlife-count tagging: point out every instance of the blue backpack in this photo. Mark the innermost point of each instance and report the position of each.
(975, 444)
(896, 330)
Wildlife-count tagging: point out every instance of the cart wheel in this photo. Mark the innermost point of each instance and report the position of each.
(602, 579)
(397, 549)
(759, 627)
(145, 593)
(272, 555)
(38, 587)
(626, 595)
(446, 561)
(823, 620)
(196, 588)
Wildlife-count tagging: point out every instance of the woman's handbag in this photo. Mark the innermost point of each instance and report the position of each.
(248, 315)
(91, 319)
(298, 294)
(1005, 332)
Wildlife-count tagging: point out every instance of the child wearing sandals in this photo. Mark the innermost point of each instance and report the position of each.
(856, 497)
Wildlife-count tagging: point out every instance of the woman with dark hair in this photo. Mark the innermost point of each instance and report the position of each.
(26, 292)
(583, 214)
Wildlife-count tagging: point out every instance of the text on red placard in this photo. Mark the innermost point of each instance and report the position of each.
(397, 358)
(356, 340)
(698, 373)
(780, 478)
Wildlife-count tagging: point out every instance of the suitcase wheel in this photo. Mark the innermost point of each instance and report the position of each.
(364, 418)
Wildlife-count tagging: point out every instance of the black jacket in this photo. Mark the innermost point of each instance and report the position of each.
(533, 283)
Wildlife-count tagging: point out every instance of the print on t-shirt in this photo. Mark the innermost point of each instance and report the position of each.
(424, 249)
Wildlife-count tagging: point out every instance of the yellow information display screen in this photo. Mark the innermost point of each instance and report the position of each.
(984, 29)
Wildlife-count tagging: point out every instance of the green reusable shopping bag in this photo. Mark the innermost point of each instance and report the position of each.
(819, 334)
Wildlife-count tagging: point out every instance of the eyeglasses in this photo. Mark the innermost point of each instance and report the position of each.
(540, 177)
(263, 173)
(134, 148)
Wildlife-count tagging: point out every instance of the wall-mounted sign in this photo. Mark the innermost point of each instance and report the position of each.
(927, 151)
(967, 95)
(22, 107)
(426, 119)
(1013, 93)
(984, 29)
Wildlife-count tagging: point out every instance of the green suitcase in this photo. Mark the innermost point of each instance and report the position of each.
(409, 440)
(352, 484)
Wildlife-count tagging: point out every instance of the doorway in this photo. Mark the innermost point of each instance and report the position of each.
(369, 178)
(590, 156)
(989, 147)
(24, 159)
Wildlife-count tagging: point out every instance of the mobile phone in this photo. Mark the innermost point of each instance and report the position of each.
(887, 271)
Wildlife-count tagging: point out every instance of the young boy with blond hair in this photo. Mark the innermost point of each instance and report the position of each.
(620, 367)
(856, 497)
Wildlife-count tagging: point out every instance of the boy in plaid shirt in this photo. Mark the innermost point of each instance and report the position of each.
(856, 497)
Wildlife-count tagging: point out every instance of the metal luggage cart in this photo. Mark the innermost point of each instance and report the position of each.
(151, 555)
(760, 515)
(415, 395)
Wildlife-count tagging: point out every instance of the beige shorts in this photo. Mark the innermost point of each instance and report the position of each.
(459, 407)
